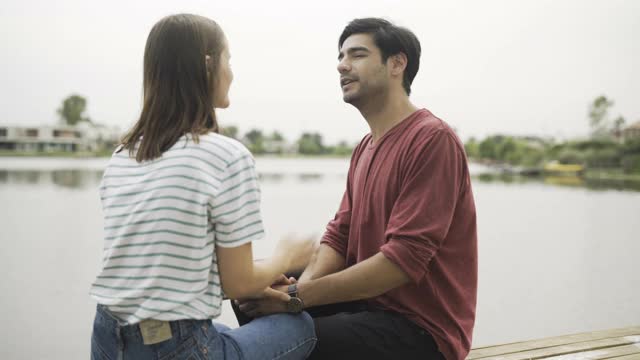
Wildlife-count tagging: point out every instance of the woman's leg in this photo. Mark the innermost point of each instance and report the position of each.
(279, 336)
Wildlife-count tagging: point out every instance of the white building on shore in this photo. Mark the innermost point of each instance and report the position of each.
(58, 138)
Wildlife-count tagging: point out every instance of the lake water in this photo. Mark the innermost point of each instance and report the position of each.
(556, 257)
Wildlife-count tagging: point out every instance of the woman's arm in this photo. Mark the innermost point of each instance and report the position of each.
(243, 278)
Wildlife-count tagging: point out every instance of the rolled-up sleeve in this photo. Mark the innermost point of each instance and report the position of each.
(337, 233)
(422, 214)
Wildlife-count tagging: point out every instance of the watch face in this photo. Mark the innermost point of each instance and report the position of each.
(294, 305)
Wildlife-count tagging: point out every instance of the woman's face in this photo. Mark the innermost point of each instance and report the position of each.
(223, 79)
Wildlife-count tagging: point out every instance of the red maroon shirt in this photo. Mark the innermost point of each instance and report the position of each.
(409, 196)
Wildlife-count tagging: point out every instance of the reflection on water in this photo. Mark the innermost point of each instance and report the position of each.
(84, 179)
(566, 181)
(309, 177)
(90, 178)
(567, 257)
(74, 179)
(270, 177)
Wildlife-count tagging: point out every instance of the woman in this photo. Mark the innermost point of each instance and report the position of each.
(181, 208)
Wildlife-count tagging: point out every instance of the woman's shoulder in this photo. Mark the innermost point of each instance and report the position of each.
(232, 148)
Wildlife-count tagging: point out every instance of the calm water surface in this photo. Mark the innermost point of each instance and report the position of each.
(556, 256)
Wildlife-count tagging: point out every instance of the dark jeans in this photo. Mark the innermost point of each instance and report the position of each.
(353, 331)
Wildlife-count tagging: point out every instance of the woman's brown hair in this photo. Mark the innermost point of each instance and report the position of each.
(178, 84)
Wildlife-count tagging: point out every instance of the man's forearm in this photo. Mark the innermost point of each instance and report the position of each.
(324, 261)
(367, 279)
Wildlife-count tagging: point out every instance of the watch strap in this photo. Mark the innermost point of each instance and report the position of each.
(292, 290)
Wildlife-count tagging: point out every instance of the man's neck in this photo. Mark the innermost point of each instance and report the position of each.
(382, 116)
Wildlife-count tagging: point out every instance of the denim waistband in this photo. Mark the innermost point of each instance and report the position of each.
(179, 328)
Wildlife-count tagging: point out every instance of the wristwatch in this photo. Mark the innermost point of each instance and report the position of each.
(295, 304)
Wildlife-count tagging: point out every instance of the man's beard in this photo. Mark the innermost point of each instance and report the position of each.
(365, 96)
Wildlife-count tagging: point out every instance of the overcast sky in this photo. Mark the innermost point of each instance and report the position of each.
(514, 67)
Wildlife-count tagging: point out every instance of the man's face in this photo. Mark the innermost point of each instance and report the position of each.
(363, 75)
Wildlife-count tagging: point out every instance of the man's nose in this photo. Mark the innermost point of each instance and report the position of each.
(343, 67)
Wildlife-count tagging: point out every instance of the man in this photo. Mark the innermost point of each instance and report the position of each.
(403, 243)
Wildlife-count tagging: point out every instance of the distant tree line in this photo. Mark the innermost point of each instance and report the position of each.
(309, 143)
(72, 112)
(605, 149)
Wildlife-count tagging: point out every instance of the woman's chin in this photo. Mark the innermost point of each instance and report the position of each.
(222, 104)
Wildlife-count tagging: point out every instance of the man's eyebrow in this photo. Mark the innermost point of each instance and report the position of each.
(351, 50)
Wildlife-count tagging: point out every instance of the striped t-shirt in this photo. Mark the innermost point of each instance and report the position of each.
(162, 221)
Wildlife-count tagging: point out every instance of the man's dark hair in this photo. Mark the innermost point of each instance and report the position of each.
(391, 40)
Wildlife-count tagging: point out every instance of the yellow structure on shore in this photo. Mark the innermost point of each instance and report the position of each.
(555, 168)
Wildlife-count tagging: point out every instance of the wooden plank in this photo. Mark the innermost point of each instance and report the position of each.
(484, 352)
(606, 353)
(552, 341)
(545, 352)
(626, 357)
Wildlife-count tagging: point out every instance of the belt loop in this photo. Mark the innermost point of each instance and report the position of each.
(183, 325)
(120, 341)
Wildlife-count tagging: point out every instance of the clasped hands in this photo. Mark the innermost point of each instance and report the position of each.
(272, 300)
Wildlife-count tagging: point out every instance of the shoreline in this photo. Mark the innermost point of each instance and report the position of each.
(594, 174)
(95, 155)
(613, 178)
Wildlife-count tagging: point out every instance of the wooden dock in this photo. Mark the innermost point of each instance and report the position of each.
(617, 344)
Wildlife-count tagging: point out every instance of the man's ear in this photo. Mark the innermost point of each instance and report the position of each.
(398, 63)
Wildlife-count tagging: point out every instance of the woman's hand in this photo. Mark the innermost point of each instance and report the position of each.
(273, 300)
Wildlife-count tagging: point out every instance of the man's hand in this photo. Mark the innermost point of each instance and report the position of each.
(258, 308)
(274, 300)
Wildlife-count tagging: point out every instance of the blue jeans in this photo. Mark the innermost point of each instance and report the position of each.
(280, 336)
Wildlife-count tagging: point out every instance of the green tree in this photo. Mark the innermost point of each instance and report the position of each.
(532, 157)
(230, 131)
(505, 149)
(254, 140)
(569, 155)
(631, 147)
(311, 144)
(618, 125)
(275, 143)
(598, 116)
(605, 158)
(631, 164)
(276, 136)
(471, 148)
(72, 110)
(487, 148)
(631, 156)
(342, 149)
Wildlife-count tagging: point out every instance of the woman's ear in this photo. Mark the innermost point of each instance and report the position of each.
(208, 63)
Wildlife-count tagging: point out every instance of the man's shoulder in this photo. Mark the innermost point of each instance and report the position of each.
(428, 127)
(428, 123)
